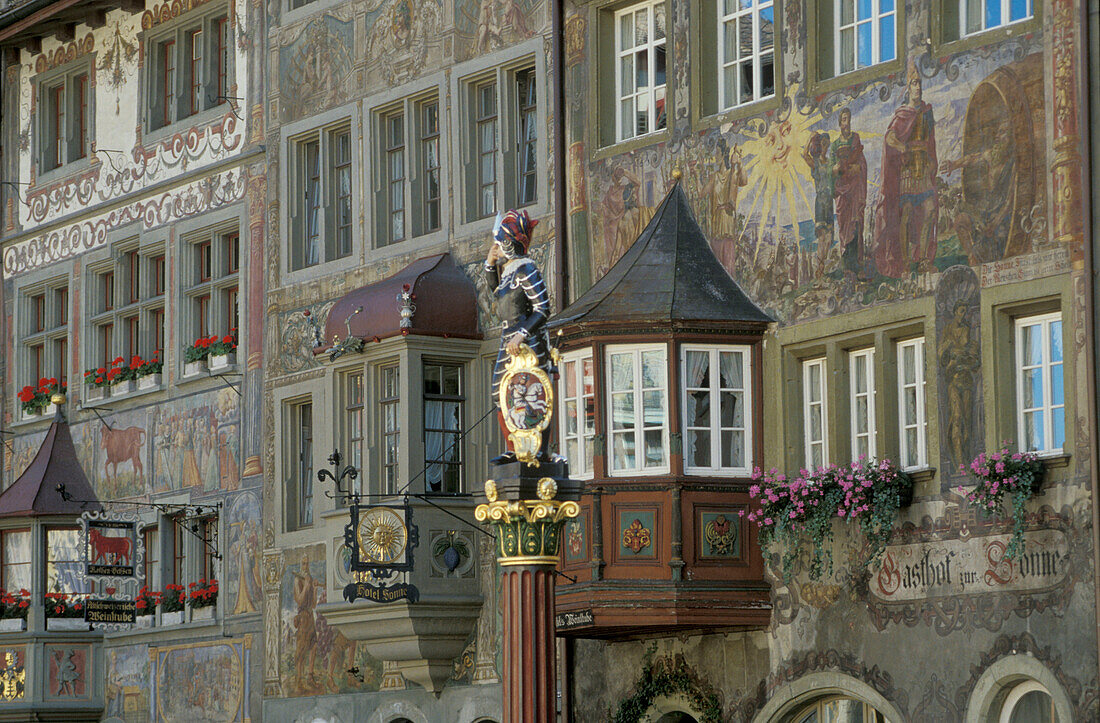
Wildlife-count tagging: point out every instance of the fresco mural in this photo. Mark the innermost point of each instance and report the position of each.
(68, 675)
(202, 681)
(126, 696)
(482, 26)
(316, 67)
(845, 201)
(403, 40)
(244, 584)
(316, 659)
(197, 443)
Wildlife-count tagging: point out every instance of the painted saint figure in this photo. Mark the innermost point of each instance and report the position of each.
(305, 628)
(906, 215)
(520, 299)
(960, 367)
(849, 171)
(722, 190)
(816, 155)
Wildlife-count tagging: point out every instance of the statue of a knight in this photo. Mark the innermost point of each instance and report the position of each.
(520, 299)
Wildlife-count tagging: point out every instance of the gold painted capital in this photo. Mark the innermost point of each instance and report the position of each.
(528, 532)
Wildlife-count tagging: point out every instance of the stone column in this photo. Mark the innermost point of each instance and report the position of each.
(528, 535)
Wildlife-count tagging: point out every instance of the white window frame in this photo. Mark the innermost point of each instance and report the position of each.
(639, 430)
(652, 91)
(920, 424)
(865, 357)
(1046, 364)
(808, 442)
(326, 194)
(727, 57)
(715, 390)
(875, 20)
(586, 441)
(1016, 695)
(1006, 8)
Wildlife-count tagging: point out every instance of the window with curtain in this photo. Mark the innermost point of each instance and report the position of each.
(861, 399)
(64, 561)
(321, 185)
(389, 403)
(1040, 388)
(640, 70)
(911, 411)
(815, 414)
(717, 409)
(352, 446)
(15, 565)
(443, 415)
(638, 400)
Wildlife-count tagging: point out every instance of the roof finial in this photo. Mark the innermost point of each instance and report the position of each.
(676, 172)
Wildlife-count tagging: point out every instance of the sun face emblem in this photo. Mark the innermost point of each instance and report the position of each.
(382, 536)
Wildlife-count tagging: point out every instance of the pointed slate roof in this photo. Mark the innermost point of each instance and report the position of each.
(35, 492)
(670, 274)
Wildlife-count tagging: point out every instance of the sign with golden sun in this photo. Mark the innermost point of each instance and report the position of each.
(381, 539)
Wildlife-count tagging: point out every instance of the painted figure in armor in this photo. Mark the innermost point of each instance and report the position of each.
(520, 298)
(908, 207)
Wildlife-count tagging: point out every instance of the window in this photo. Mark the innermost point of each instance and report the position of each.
(911, 411)
(443, 417)
(353, 428)
(407, 194)
(44, 332)
(638, 403)
(578, 418)
(717, 404)
(527, 137)
(208, 529)
(640, 70)
(861, 389)
(190, 69)
(486, 99)
(1028, 702)
(746, 61)
(502, 158)
(815, 412)
(978, 15)
(64, 560)
(178, 551)
(299, 465)
(394, 133)
(389, 406)
(209, 267)
(64, 121)
(848, 710)
(15, 563)
(1040, 393)
(321, 186)
(429, 165)
(865, 33)
(151, 538)
(127, 306)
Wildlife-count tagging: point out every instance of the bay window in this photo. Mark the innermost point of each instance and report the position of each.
(717, 405)
(577, 422)
(638, 401)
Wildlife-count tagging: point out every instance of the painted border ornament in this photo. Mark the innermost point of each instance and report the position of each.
(526, 397)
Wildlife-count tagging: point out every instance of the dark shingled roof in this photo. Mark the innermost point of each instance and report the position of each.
(35, 492)
(670, 274)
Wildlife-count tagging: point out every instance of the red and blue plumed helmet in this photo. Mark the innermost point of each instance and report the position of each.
(513, 232)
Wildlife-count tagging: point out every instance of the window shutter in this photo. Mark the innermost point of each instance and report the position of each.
(826, 40)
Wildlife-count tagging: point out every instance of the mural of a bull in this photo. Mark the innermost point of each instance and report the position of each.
(122, 445)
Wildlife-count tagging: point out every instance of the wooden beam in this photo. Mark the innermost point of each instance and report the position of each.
(66, 33)
(96, 18)
(33, 44)
(133, 6)
(33, 20)
(11, 55)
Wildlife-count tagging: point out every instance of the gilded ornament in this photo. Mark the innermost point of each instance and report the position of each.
(548, 488)
(490, 490)
(637, 537)
(526, 397)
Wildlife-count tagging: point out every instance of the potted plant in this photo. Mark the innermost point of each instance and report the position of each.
(147, 371)
(121, 377)
(195, 356)
(171, 604)
(202, 598)
(36, 400)
(794, 512)
(145, 605)
(223, 351)
(96, 383)
(64, 611)
(1001, 474)
(13, 610)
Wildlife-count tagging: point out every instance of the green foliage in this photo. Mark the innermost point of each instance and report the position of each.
(665, 677)
(792, 512)
(1003, 473)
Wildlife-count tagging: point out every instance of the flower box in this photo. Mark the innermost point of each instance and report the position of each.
(66, 624)
(191, 369)
(13, 625)
(149, 381)
(174, 618)
(119, 389)
(47, 411)
(95, 393)
(144, 621)
(1006, 476)
(222, 361)
(203, 613)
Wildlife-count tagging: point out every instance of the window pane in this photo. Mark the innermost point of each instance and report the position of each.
(626, 31)
(865, 44)
(732, 414)
(1033, 430)
(64, 566)
(864, 9)
(847, 50)
(1018, 10)
(622, 411)
(992, 13)
(653, 369)
(622, 372)
(659, 21)
(1056, 341)
(886, 39)
(846, 11)
(16, 574)
(733, 449)
(653, 405)
(654, 448)
(1033, 388)
(698, 448)
(622, 451)
(1033, 707)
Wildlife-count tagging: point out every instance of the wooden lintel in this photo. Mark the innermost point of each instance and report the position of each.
(66, 32)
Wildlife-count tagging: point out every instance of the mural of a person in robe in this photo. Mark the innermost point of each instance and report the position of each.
(908, 206)
(622, 213)
(849, 170)
(722, 190)
(816, 155)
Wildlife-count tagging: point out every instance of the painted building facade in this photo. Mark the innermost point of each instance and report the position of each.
(901, 189)
(134, 222)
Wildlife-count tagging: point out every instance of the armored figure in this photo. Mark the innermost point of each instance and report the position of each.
(520, 299)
